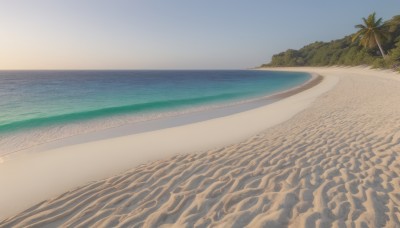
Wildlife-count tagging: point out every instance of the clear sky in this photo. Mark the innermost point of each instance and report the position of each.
(170, 34)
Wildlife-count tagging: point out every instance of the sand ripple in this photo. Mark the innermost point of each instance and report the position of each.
(334, 164)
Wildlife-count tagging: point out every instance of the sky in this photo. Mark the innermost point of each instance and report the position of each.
(170, 34)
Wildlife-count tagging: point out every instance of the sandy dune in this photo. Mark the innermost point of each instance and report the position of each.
(337, 163)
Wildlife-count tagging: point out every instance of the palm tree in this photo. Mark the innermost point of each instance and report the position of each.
(371, 33)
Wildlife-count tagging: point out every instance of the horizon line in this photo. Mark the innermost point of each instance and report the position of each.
(178, 69)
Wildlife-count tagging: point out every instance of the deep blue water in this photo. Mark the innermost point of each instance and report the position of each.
(32, 99)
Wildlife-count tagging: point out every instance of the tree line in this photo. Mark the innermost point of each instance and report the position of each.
(376, 43)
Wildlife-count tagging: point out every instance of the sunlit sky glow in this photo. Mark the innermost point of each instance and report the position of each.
(173, 34)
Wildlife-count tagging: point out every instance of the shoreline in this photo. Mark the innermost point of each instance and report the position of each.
(163, 122)
(110, 127)
(334, 162)
(97, 160)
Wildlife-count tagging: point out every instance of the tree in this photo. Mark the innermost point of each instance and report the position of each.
(372, 33)
(394, 23)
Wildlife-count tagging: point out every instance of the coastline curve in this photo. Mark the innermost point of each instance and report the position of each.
(78, 164)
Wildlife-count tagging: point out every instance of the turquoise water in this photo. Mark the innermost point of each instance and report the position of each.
(34, 99)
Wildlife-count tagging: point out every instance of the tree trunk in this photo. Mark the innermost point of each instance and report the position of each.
(379, 45)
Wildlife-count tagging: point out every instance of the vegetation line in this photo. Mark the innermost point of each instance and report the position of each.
(365, 47)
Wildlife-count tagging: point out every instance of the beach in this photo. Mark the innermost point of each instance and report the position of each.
(325, 156)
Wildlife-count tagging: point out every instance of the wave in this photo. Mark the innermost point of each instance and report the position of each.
(113, 111)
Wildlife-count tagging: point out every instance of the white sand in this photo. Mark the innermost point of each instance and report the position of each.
(334, 163)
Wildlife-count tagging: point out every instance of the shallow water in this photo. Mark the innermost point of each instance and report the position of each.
(42, 106)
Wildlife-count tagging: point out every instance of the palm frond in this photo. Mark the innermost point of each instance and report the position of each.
(360, 26)
(378, 22)
(372, 32)
(357, 35)
(365, 21)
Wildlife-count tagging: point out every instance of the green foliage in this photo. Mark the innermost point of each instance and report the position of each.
(395, 52)
(344, 52)
(372, 33)
(393, 24)
(379, 63)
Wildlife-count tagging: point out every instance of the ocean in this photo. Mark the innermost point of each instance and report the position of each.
(32, 100)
